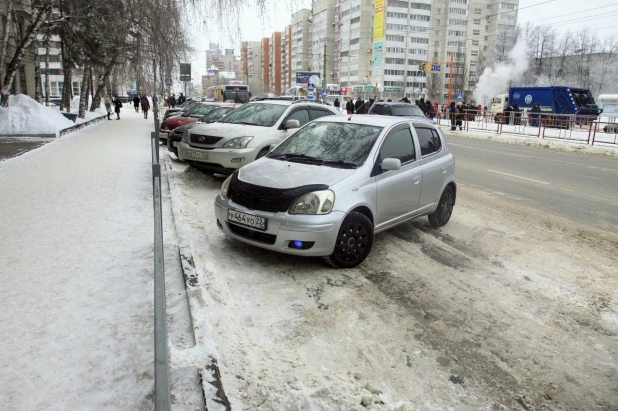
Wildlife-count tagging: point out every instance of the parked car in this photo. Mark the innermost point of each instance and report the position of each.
(247, 133)
(329, 188)
(397, 109)
(217, 114)
(180, 108)
(190, 115)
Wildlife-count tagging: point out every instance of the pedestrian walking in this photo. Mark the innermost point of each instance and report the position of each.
(452, 112)
(516, 115)
(337, 103)
(117, 107)
(349, 107)
(358, 106)
(429, 110)
(181, 99)
(460, 116)
(108, 106)
(507, 114)
(136, 103)
(173, 100)
(145, 105)
(535, 114)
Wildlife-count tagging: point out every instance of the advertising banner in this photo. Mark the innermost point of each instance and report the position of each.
(305, 77)
(378, 20)
(377, 62)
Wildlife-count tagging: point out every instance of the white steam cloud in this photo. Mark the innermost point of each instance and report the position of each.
(496, 80)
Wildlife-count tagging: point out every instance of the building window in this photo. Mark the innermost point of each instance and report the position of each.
(76, 88)
(460, 1)
(396, 15)
(419, 17)
(474, 52)
(455, 10)
(508, 6)
(390, 37)
(477, 21)
(507, 16)
(419, 40)
(477, 11)
(457, 22)
(475, 42)
(436, 43)
(476, 31)
(457, 33)
(421, 6)
(460, 44)
(486, 28)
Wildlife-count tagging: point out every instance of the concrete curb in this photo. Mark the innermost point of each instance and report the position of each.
(81, 125)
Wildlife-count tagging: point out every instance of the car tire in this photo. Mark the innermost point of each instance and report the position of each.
(443, 212)
(262, 153)
(203, 170)
(354, 241)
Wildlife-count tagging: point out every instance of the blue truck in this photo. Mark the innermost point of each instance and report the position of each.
(555, 100)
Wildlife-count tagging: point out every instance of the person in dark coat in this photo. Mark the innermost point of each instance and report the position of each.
(136, 103)
(507, 114)
(181, 99)
(173, 100)
(117, 107)
(369, 104)
(452, 111)
(429, 110)
(349, 106)
(337, 103)
(535, 114)
(516, 115)
(145, 106)
(359, 106)
(460, 116)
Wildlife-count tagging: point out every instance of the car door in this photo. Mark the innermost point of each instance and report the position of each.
(435, 162)
(398, 191)
(299, 113)
(387, 110)
(317, 113)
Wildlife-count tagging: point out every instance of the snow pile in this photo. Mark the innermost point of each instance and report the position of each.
(496, 80)
(25, 116)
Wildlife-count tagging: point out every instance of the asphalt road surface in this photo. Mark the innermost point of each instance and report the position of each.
(579, 187)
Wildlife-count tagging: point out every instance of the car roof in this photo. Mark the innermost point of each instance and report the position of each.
(394, 103)
(373, 120)
(288, 102)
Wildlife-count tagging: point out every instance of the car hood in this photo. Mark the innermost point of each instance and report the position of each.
(267, 172)
(178, 121)
(229, 130)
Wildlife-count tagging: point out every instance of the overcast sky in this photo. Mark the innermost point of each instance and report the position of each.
(574, 15)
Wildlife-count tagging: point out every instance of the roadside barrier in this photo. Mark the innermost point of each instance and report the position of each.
(162, 378)
(583, 129)
(81, 125)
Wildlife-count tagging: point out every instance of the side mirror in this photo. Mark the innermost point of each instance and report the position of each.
(292, 124)
(272, 147)
(391, 164)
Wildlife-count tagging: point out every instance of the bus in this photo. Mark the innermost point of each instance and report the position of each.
(232, 93)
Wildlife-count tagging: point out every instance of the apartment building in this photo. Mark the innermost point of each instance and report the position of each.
(322, 34)
(56, 73)
(353, 43)
(251, 65)
(286, 60)
(224, 59)
(406, 34)
(265, 70)
(274, 63)
(300, 42)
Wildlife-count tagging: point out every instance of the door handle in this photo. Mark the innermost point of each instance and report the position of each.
(416, 179)
(443, 170)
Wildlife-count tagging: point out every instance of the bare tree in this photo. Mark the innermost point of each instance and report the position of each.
(434, 86)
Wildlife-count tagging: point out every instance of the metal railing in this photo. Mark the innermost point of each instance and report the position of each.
(162, 378)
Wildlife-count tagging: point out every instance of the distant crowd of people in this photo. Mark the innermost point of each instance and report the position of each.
(116, 102)
(172, 101)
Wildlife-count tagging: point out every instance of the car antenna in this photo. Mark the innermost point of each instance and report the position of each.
(349, 118)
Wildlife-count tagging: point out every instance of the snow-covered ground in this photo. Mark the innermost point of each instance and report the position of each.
(501, 309)
(76, 234)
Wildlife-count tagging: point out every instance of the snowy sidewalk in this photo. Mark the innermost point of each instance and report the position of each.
(76, 233)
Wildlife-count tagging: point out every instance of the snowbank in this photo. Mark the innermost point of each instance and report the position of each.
(25, 116)
(524, 140)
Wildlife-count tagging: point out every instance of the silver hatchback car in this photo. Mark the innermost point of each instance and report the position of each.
(326, 190)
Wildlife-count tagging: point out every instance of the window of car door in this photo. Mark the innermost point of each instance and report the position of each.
(398, 144)
(387, 110)
(301, 114)
(317, 113)
(377, 109)
(429, 141)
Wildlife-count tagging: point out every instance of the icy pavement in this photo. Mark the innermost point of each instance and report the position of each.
(76, 269)
(505, 308)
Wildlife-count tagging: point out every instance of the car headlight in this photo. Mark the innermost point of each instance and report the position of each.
(317, 202)
(225, 186)
(185, 136)
(239, 142)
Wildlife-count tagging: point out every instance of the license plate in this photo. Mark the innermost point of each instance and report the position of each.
(246, 219)
(174, 143)
(197, 154)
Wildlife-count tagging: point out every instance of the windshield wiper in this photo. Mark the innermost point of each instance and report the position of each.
(313, 160)
(339, 163)
(292, 155)
(249, 124)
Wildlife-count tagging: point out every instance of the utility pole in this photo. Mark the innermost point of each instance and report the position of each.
(324, 68)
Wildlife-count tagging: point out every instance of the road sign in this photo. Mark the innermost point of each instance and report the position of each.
(292, 91)
(325, 92)
(459, 96)
(435, 67)
(310, 88)
(168, 82)
(185, 71)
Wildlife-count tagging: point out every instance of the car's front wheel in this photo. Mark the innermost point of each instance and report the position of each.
(443, 213)
(354, 242)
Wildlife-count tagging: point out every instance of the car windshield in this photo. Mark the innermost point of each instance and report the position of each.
(186, 104)
(407, 110)
(329, 143)
(216, 114)
(199, 111)
(265, 115)
(238, 96)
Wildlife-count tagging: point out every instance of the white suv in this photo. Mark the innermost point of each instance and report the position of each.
(247, 133)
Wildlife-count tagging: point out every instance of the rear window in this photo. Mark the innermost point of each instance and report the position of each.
(407, 110)
(377, 109)
(429, 140)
